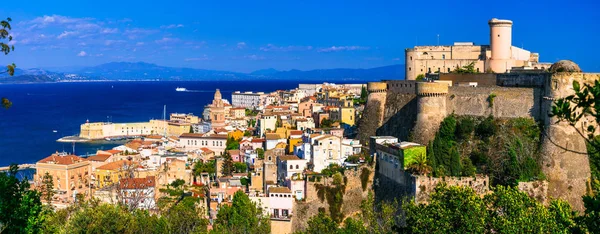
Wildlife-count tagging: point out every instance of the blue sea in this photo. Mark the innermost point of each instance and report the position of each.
(27, 128)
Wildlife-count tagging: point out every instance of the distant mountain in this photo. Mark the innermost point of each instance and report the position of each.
(141, 70)
(378, 73)
(264, 72)
(148, 71)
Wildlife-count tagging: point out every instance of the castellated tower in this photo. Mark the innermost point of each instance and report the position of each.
(373, 114)
(500, 44)
(431, 110)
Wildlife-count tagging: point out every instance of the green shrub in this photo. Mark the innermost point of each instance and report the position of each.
(491, 99)
(464, 128)
(486, 128)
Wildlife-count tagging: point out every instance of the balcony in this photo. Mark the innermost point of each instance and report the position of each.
(281, 218)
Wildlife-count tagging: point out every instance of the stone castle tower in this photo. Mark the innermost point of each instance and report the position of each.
(500, 45)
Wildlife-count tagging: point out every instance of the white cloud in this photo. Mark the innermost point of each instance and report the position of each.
(82, 54)
(171, 26)
(139, 43)
(342, 48)
(110, 30)
(66, 34)
(271, 47)
(241, 45)
(165, 40)
(254, 57)
(138, 32)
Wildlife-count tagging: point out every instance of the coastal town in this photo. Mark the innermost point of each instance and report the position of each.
(326, 148)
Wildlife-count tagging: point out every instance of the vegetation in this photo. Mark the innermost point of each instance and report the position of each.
(227, 169)
(363, 96)
(260, 152)
(506, 210)
(327, 123)
(232, 144)
(251, 112)
(204, 167)
(467, 69)
(420, 77)
(491, 99)
(20, 207)
(243, 216)
(47, 188)
(6, 48)
(240, 167)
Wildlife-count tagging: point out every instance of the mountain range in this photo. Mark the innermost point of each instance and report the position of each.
(146, 71)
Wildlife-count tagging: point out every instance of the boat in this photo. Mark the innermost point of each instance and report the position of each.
(108, 139)
(54, 131)
(180, 89)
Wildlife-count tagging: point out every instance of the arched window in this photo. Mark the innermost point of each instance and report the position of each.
(409, 69)
(443, 56)
(297, 167)
(448, 70)
(291, 167)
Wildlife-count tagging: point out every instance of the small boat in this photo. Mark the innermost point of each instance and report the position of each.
(108, 139)
(180, 89)
(54, 131)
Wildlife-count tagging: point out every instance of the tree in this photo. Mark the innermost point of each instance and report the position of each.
(321, 223)
(191, 129)
(260, 152)
(227, 168)
(232, 144)
(47, 188)
(467, 69)
(240, 167)
(243, 216)
(420, 77)
(186, 217)
(419, 166)
(204, 167)
(6, 48)
(20, 207)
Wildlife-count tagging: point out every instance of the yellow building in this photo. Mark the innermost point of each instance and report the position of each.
(184, 118)
(111, 173)
(291, 143)
(70, 174)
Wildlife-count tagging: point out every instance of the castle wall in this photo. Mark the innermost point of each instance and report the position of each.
(482, 79)
(564, 155)
(507, 103)
(431, 110)
(374, 110)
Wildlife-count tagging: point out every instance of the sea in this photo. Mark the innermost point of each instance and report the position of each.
(44, 112)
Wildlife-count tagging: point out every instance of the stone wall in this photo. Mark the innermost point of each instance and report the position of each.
(425, 185)
(353, 196)
(400, 114)
(482, 79)
(536, 189)
(507, 103)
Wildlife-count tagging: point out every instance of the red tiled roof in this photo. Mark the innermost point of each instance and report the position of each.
(114, 165)
(279, 190)
(137, 183)
(295, 132)
(99, 157)
(258, 140)
(62, 160)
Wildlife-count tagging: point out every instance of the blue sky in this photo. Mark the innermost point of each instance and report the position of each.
(248, 35)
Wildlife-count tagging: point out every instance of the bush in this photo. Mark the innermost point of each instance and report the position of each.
(486, 128)
(464, 128)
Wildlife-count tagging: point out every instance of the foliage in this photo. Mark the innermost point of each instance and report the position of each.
(243, 216)
(240, 167)
(467, 69)
(203, 167)
(251, 112)
(6, 48)
(506, 210)
(420, 77)
(331, 169)
(247, 133)
(486, 128)
(20, 207)
(260, 152)
(491, 99)
(353, 159)
(334, 194)
(442, 152)
(186, 217)
(227, 169)
(327, 123)
(364, 178)
(464, 128)
(419, 166)
(378, 217)
(321, 223)
(47, 188)
(338, 178)
(232, 144)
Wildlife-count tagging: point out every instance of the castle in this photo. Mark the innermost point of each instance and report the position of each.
(499, 56)
(407, 107)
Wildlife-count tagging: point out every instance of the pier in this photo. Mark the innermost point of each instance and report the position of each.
(21, 167)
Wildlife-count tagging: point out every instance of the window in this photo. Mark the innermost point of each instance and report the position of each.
(297, 167)
(411, 58)
(448, 70)
(443, 56)
(276, 213)
(408, 68)
(291, 167)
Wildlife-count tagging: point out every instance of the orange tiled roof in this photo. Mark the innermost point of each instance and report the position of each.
(279, 190)
(62, 160)
(137, 183)
(114, 165)
(99, 157)
(288, 157)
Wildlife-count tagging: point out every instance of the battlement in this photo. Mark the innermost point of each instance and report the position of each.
(431, 89)
(377, 87)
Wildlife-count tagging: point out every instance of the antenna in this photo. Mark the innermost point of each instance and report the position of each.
(164, 119)
(438, 39)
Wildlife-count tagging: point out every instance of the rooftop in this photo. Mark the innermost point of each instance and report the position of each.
(62, 160)
(279, 190)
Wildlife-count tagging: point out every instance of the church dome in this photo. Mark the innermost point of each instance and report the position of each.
(218, 95)
(565, 66)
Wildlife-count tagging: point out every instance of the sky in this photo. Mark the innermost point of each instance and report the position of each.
(245, 36)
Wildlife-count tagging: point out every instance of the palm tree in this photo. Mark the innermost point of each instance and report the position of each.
(419, 166)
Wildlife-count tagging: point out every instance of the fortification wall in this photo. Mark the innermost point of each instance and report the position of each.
(482, 79)
(352, 198)
(372, 116)
(400, 114)
(425, 185)
(535, 189)
(501, 102)
(431, 110)
(564, 155)
(522, 79)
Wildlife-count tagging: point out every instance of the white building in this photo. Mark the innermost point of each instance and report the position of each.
(246, 99)
(267, 122)
(194, 141)
(288, 165)
(350, 147)
(326, 149)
